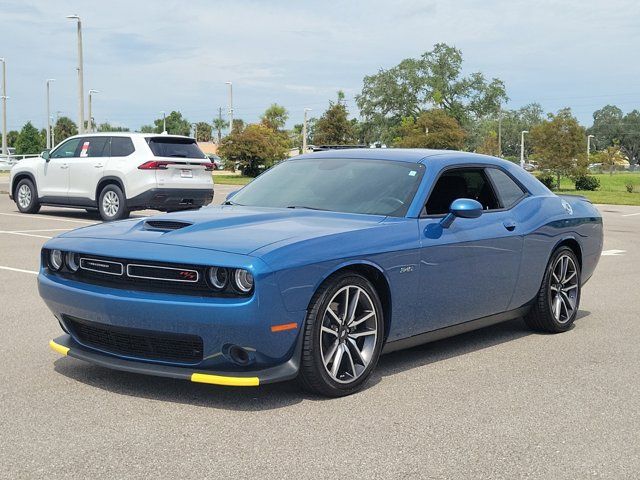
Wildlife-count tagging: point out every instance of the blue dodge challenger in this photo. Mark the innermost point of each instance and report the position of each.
(319, 266)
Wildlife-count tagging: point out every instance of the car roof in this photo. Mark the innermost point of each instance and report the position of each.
(128, 134)
(412, 155)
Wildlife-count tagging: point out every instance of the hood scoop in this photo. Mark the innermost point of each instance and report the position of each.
(165, 225)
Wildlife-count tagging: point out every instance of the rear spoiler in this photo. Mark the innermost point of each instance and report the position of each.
(569, 196)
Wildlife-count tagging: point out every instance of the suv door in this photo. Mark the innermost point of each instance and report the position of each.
(470, 269)
(53, 174)
(86, 170)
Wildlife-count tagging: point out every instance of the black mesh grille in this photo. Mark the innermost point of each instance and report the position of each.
(147, 344)
(166, 225)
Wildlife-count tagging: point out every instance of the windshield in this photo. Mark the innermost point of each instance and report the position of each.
(376, 187)
(175, 147)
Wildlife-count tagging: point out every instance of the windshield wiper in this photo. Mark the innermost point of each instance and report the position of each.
(307, 208)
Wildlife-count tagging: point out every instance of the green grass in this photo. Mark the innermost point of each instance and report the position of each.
(231, 179)
(612, 189)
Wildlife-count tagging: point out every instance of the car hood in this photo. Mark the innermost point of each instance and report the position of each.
(230, 228)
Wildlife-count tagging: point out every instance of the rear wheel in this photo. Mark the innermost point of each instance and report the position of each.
(26, 197)
(556, 305)
(343, 336)
(112, 204)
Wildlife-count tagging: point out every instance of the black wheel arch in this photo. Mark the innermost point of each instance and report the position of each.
(18, 178)
(109, 180)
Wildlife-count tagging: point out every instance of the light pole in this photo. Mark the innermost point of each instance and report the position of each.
(589, 137)
(4, 107)
(80, 74)
(522, 148)
(90, 111)
(195, 131)
(230, 106)
(53, 134)
(304, 131)
(48, 113)
(164, 122)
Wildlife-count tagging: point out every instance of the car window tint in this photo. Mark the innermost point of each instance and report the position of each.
(67, 149)
(507, 189)
(460, 183)
(121, 146)
(93, 147)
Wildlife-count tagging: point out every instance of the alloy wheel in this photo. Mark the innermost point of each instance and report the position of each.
(24, 196)
(563, 288)
(110, 203)
(348, 334)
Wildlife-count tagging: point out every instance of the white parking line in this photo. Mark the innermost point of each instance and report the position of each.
(631, 214)
(24, 234)
(613, 253)
(46, 217)
(11, 269)
(42, 230)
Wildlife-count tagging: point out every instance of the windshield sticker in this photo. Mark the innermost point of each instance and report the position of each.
(412, 173)
(85, 150)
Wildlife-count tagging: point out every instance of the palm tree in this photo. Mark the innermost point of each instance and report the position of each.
(219, 124)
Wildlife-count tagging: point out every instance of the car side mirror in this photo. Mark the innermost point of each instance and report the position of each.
(462, 208)
(46, 155)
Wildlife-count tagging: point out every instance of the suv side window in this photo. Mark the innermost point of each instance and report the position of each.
(461, 183)
(94, 147)
(507, 189)
(121, 146)
(67, 149)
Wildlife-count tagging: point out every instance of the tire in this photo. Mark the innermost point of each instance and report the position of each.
(26, 197)
(112, 204)
(556, 305)
(354, 350)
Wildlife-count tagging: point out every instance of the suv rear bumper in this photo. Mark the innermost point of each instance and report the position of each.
(171, 198)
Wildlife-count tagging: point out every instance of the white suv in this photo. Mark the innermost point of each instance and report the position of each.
(115, 173)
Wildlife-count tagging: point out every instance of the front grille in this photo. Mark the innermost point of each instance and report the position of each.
(133, 342)
(166, 224)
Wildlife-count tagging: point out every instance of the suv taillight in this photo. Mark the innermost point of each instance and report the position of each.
(154, 165)
(209, 166)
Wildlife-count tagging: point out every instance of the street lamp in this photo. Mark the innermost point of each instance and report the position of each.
(589, 137)
(4, 107)
(164, 122)
(304, 131)
(90, 114)
(230, 106)
(195, 131)
(49, 114)
(522, 147)
(80, 74)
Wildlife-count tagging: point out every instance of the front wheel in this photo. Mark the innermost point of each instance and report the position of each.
(26, 197)
(112, 204)
(342, 337)
(556, 305)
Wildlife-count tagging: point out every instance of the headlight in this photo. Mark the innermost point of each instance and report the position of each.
(55, 259)
(218, 277)
(73, 261)
(243, 280)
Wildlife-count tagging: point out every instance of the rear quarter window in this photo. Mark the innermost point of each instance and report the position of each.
(508, 191)
(175, 147)
(121, 146)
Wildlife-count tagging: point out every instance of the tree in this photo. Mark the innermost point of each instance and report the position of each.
(176, 124)
(254, 147)
(433, 80)
(489, 145)
(29, 140)
(611, 127)
(611, 157)
(433, 129)
(148, 129)
(64, 128)
(334, 127)
(107, 127)
(275, 117)
(204, 132)
(219, 124)
(559, 143)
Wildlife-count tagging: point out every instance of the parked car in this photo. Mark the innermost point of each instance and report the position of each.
(217, 161)
(320, 265)
(115, 173)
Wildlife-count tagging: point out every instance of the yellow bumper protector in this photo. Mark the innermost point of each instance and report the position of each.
(58, 348)
(223, 380)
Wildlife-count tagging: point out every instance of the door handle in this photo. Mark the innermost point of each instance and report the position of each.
(98, 165)
(509, 225)
(64, 166)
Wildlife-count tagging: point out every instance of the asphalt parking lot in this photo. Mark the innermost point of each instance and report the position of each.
(499, 403)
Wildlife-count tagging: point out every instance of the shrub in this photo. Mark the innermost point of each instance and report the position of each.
(547, 180)
(629, 187)
(587, 182)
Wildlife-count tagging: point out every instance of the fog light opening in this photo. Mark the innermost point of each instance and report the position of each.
(239, 355)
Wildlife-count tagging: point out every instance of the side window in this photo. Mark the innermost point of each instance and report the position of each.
(460, 183)
(509, 192)
(67, 149)
(94, 147)
(121, 146)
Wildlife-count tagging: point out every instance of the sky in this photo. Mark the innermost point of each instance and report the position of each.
(145, 57)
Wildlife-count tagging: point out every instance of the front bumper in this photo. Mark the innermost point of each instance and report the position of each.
(65, 345)
(172, 198)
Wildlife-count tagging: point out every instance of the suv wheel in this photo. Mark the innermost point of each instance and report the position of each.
(112, 204)
(26, 197)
